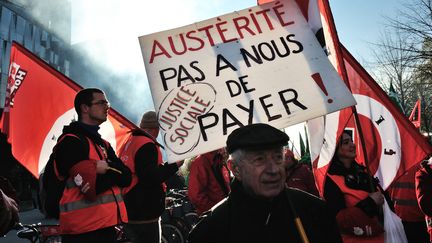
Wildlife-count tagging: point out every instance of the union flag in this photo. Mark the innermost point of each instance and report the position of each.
(39, 102)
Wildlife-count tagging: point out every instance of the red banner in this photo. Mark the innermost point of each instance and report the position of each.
(415, 116)
(392, 142)
(39, 102)
(392, 145)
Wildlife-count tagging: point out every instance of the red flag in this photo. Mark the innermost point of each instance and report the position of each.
(388, 155)
(392, 143)
(323, 133)
(382, 124)
(39, 102)
(415, 116)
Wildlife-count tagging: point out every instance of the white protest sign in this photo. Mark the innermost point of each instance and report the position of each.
(261, 64)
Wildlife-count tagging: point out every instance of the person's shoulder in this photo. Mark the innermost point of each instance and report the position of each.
(359, 167)
(211, 224)
(199, 158)
(309, 206)
(423, 173)
(218, 212)
(303, 199)
(303, 168)
(199, 162)
(141, 138)
(145, 143)
(72, 132)
(71, 139)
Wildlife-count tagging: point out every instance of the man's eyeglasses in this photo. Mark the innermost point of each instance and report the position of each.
(101, 102)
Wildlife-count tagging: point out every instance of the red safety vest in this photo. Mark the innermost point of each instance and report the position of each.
(79, 215)
(352, 197)
(404, 197)
(127, 155)
(423, 183)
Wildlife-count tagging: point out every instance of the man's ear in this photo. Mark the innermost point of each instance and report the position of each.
(84, 108)
(235, 170)
(230, 164)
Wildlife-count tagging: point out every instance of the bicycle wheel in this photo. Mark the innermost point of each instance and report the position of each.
(50, 233)
(171, 233)
(29, 232)
(191, 219)
(121, 235)
(51, 239)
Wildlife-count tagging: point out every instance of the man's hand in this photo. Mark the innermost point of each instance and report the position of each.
(101, 167)
(9, 213)
(10, 203)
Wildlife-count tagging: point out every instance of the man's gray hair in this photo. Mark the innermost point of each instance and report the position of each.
(237, 156)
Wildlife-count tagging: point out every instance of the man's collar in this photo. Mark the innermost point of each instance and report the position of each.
(92, 129)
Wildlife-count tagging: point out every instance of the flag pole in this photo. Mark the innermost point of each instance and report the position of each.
(298, 222)
(344, 76)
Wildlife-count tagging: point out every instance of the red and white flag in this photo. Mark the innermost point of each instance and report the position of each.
(39, 102)
(325, 131)
(382, 124)
(393, 144)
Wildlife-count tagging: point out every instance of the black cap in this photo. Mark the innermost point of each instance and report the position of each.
(256, 136)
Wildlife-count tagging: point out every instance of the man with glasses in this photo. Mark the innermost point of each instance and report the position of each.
(259, 207)
(91, 204)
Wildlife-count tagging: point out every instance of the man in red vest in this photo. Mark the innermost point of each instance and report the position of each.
(91, 205)
(403, 195)
(145, 197)
(423, 182)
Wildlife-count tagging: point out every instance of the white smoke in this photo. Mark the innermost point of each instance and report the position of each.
(108, 30)
(111, 29)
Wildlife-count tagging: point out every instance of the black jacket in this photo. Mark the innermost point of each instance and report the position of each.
(242, 218)
(357, 178)
(71, 150)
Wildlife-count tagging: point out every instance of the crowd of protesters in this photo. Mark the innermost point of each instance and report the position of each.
(253, 190)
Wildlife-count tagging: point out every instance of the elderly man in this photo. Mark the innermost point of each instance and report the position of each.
(260, 208)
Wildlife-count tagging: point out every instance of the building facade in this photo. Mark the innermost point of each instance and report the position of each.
(20, 21)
